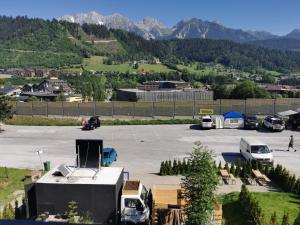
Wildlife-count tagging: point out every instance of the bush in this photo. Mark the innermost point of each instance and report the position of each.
(252, 209)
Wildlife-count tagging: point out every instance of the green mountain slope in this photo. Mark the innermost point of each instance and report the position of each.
(39, 43)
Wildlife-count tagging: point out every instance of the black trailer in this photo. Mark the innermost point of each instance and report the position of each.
(97, 193)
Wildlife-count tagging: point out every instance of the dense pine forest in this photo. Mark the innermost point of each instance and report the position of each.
(28, 42)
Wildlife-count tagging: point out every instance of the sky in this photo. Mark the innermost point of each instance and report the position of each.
(276, 16)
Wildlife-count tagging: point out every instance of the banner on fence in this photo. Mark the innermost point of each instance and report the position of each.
(206, 112)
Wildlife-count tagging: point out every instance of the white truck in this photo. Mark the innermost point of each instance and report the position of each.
(134, 203)
(253, 149)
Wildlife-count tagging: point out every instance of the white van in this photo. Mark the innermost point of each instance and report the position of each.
(206, 122)
(253, 149)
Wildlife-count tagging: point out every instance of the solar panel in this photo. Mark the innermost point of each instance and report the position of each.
(62, 170)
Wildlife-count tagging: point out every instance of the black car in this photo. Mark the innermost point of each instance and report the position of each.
(93, 123)
(251, 122)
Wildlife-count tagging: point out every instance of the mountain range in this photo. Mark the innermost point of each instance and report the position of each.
(151, 28)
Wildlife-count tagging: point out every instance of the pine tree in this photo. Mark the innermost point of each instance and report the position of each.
(162, 169)
(199, 185)
(184, 167)
(226, 167)
(220, 166)
(179, 167)
(175, 167)
(238, 170)
(169, 168)
(232, 168)
(285, 219)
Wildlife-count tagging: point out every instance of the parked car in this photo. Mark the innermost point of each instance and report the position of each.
(274, 123)
(251, 122)
(255, 150)
(206, 122)
(92, 123)
(109, 156)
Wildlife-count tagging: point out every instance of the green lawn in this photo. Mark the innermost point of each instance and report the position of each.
(95, 63)
(11, 184)
(270, 202)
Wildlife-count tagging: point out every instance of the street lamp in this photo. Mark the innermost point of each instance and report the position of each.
(39, 153)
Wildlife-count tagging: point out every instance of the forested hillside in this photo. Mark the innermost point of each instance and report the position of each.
(38, 43)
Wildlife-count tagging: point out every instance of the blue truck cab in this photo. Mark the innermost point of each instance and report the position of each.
(109, 156)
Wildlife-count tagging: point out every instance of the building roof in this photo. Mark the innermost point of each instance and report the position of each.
(287, 113)
(105, 176)
(135, 90)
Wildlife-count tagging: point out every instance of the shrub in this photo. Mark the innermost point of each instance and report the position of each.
(252, 209)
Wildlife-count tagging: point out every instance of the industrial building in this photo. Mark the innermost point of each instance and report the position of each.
(164, 91)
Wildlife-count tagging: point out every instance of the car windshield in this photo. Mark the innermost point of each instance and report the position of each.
(280, 122)
(206, 120)
(260, 149)
(251, 118)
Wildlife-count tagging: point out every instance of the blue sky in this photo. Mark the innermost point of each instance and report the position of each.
(276, 16)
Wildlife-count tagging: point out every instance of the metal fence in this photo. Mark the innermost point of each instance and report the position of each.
(188, 109)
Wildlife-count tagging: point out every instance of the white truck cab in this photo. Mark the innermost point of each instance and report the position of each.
(134, 203)
(206, 122)
(253, 149)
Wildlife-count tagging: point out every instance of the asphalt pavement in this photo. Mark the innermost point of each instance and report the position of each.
(140, 148)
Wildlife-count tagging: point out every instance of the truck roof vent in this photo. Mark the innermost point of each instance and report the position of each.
(62, 171)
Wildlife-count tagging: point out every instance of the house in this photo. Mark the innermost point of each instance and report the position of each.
(280, 89)
(48, 89)
(10, 90)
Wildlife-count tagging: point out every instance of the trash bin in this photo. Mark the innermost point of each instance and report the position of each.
(47, 166)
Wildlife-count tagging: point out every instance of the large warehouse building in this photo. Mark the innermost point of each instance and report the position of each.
(164, 91)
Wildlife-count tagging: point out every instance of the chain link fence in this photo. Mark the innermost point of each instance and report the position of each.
(187, 109)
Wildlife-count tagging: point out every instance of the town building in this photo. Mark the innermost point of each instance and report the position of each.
(164, 91)
(48, 89)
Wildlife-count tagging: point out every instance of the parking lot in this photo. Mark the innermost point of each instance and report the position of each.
(140, 148)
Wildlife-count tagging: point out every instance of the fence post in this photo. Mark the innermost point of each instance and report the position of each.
(274, 106)
(133, 109)
(194, 105)
(47, 108)
(94, 108)
(245, 106)
(32, 108)
(112, 109)
(78, 109)
(152, 109)
(220, 106)
(16, 107)
(62, 109)
(174, 108)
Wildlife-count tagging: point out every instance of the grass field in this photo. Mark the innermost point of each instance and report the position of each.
(270, 202)
(42, 121)
(95, 63)
(11, 184)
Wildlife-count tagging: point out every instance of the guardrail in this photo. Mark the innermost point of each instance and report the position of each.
(188, 109)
